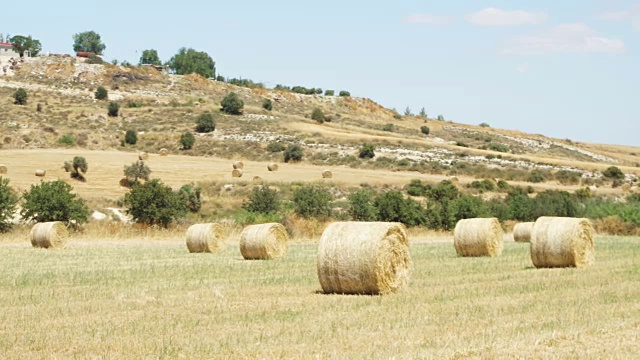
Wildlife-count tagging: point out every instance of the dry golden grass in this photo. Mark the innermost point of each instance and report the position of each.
(155, 300)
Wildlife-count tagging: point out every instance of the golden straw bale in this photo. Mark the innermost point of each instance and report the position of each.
(236, 173)
(327, 174)
(41, 173)
(125, 182)
(49, 235)
(478, 237)
(203, 238)
(264, 241)
(3, 169)
(562, 242)
(272, 167)
(238, 165)
(257, 180)
(522, 232)
(164, 152)
(364, 258)
(143, 156)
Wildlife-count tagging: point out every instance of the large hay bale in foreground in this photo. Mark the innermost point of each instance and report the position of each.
(364, 258)
(264, 241)
(3, 169)
(522, 232)
(204, 238)
(562, 242)
(164, 152)
(238, 165)
(272, 167)
(327, 174)
(236, 173)
(478, 237)
(41, 173)
(143, 156)
(49, 235)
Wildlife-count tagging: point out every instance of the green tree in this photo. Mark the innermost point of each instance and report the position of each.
(293, 152)
(154, 203)
(613, 172)
(232, 104)
(130, 137)
(361, 206)
(113, 109)
(425, 130)
(54, 201)
(135, 171)
(190, 61)
(329, 92)
(440, 118)
(407, 112)
(187, 140)
(392, 206)
(267, 104)
(367, 151)
(423, 113)
(344, 93)
(101, 93)
(205, 123)
(78, 167)
(317, 115)
(262, 200)
(20, 96)
(149, 56)
(8, 202)
(311, 201)
(192, 197)
(417, 188)
(88, 41)
(26, 43)
(275, 147)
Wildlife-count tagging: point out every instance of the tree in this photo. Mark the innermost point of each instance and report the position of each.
(113, 109)
(262, 200)
(425, 130)
(54, 201)
(329, 92)
(318, 115)
(8, 202)
(149, 56)
(423, 113)
(77, 167)
(130, 137)
(101, 93)
(187, 140)
(135, 171)
(293, 152)
(23, 44)
(311, 201)
(440, 118)
(267, 104)
(367, 151)
(205, 123)
(392, 206)
(344, 93)
(232, 104)
(189, 61)
(20, 96)
(361, 207)
(88, 41)
(191, 196)
(407, 111)
(154, 203)
(613, 172)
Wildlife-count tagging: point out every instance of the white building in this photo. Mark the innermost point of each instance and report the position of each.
(6, 50)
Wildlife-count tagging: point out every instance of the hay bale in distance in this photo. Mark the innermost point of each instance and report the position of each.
(238, 165)
(124, 182)
(164, 152)
(327, 174)
(257, 180)
(143, 156)
(204, 238)
(49, 235)
(478, 237)
(264, 241)
(562, 242)
(41, 173)
(236, 173)
(522, 232)
(3, 169)
(272, 167)
(364, 258)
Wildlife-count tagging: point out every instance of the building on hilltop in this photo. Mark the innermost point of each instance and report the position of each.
(7, 50)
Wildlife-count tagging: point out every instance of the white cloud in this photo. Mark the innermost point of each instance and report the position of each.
(427, 19)
(565, 38)
(632, 14)
(500, 17)
(522, 68)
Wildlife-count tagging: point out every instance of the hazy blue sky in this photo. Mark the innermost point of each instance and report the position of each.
(568, 69)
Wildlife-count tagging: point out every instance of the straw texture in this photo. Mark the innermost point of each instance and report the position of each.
(204, 238)
(562, 242)
(522, 232)
(264, 241)
(49, 235)
(478, 237)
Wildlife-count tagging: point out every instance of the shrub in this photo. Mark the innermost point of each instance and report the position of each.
(417, 188)
(484, 125)
(101, 93)
(154, 203)
(440, 118)
(499, 147)
(191, 196)
(397, 116)
(425, 130)
(77, 167)
(367, 151)
(536, 176)
(613, 172)
(205, 123)
(311, 201)
(267, 104)
(361, 206)
(443, 192)
(96, 60)
(293, 152)
(275, 147)
(392, 206)
(54, 201)
(20, 97)
(113, 109)
(317, 115)
(567, 177)
(133, 104)
(67, 140)
(262, 200)
(8, 202)
(130, 137)
(187, 140)
(232, 104)
(344, 93)
(135, 171)
(387, 127)
(329, 93)
(483, 185)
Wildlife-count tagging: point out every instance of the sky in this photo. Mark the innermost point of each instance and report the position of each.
(568, 69)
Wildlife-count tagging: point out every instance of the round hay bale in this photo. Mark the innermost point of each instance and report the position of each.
(562, 242)
(272, 167)
(124, 182)
(257, 180)
(327, 174)
(522, 232)
(238, 165)
(454, 179)
(49, 235)
(41, 173)
(143, 156)
(626, 187)
(364, 258)
(478, 237)
(236, 173)
(204, 238)
(164, 152)
(264, 241)
(3, 169)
